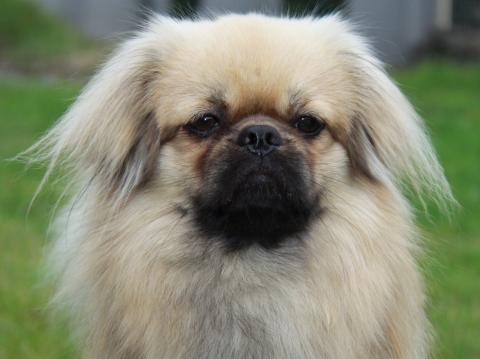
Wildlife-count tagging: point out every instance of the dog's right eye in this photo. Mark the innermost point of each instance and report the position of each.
(204, 125)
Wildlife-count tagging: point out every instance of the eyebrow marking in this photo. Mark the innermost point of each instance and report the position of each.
(217, 99)
(297, 101)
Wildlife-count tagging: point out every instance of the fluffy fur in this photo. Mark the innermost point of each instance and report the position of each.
(138, 276)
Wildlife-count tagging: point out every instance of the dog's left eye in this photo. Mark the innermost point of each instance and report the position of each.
(204, 125)
(309, 125)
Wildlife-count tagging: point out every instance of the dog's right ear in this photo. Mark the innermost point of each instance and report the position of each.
(111, 133)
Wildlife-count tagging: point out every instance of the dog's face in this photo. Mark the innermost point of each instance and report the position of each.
(251, 126)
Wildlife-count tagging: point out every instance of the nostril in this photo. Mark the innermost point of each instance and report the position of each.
(268, 138)
(273, 138)
(252, 138)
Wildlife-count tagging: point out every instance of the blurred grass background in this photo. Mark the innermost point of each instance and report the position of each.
(33, 41)
(445, 92)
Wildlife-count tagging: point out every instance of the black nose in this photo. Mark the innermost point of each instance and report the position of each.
(260, 139)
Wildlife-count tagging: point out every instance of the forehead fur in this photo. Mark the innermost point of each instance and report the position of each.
(258, 62)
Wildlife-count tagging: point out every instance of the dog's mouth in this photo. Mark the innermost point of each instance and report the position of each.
(258, 189)
(256, 203)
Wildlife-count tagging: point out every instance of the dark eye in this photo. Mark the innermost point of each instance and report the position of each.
(309, 125)
(204, 125)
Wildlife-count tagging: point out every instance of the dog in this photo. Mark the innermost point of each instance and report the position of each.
(238, 191)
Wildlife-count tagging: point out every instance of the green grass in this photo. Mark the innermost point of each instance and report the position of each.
(28, 32)
(26, 330)
(448, 97)
(33, 40)
(446, 94)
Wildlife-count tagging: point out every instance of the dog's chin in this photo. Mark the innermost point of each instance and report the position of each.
(259, 207)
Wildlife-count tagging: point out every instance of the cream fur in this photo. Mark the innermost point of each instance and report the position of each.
(132, 272)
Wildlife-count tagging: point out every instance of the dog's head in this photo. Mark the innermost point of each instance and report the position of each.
(250, 125)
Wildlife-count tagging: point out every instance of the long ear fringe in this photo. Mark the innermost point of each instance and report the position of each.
(96, 134)
(400, 137)
(399, 134)
(409, 153)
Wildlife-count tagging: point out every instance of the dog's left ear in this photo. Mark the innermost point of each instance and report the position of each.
(386, 137)
(111, 134)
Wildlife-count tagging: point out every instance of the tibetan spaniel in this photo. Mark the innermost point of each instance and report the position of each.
(237, 192)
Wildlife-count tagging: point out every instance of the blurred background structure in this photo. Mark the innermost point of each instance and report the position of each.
(49, 49)
(399, 29)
